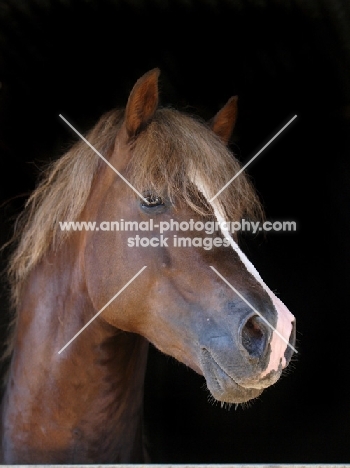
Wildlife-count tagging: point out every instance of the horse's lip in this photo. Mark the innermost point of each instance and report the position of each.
(250, 384)
(241, 393)
(207, 352)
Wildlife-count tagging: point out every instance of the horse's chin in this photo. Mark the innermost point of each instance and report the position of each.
(223, 387)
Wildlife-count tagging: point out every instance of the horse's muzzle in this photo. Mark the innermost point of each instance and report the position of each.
(233, 366)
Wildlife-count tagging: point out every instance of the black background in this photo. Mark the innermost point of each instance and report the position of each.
(81, 58)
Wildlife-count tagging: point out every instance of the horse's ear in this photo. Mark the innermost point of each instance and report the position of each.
(224, 121)
(142, 102)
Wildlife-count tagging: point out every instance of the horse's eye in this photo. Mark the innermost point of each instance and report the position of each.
(152, 201)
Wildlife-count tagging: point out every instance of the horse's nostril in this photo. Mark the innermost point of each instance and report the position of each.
(254, 336)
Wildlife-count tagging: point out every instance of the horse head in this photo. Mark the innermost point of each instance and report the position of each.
(239, 338)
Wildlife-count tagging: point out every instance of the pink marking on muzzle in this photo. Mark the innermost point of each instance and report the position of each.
(284, 327)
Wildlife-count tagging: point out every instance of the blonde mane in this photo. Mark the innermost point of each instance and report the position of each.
(62, 194)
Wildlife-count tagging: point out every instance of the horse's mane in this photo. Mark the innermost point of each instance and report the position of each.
(167, 154)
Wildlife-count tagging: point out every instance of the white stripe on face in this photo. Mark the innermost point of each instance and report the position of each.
(285, 318)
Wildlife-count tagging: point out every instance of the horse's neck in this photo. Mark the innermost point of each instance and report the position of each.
(84, 405)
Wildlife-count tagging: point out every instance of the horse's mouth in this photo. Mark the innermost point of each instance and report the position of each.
(221, 385)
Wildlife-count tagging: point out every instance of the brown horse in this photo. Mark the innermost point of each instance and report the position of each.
(83, 404)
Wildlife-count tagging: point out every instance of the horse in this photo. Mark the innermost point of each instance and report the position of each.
(81, 400)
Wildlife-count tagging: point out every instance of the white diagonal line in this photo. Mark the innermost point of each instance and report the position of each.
(253, 308)
(251, 160)
(103, 308)
(104, 159)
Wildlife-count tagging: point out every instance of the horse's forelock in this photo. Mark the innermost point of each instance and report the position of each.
(174, 149)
